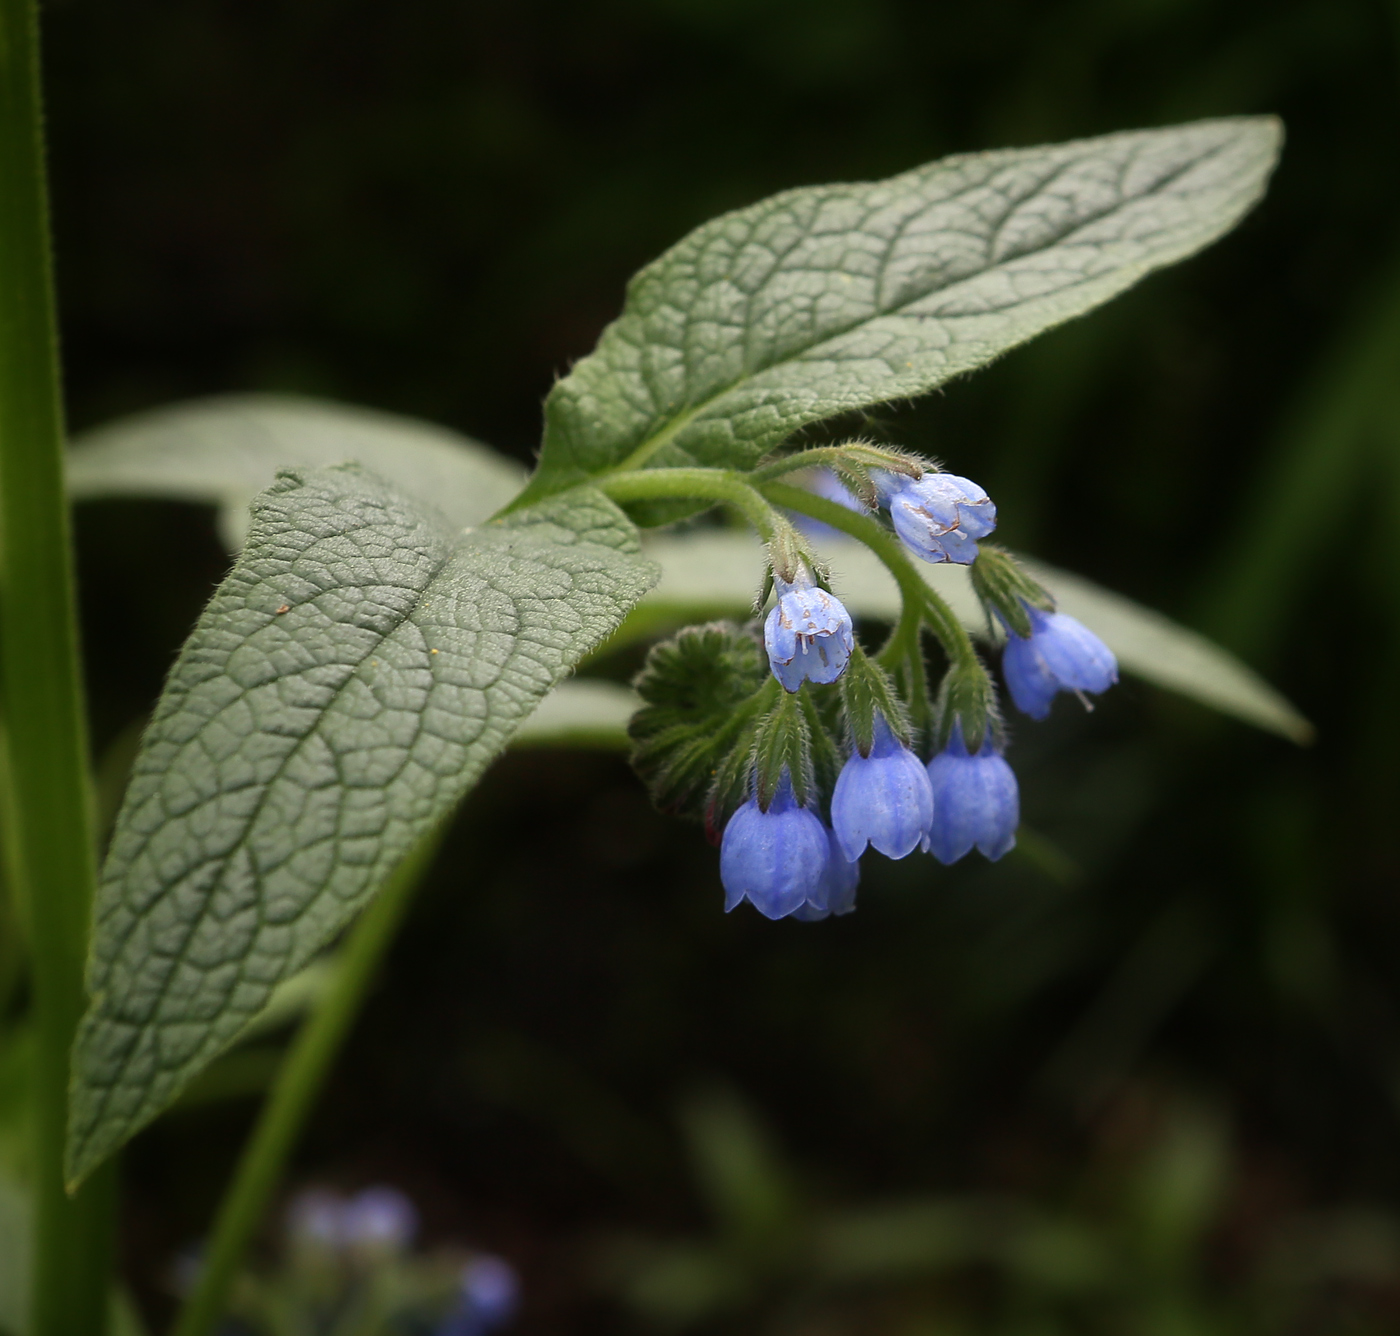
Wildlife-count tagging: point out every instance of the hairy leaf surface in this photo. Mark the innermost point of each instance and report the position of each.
(352, 677)
(833, 298)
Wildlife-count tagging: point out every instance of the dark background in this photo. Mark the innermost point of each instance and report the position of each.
(1176, 1034)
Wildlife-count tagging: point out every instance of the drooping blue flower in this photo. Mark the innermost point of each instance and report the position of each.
(380, 1219)
(775, 859)
(836, 893)
(808, 634)
(824, 483)
(1060, 654)
(883, 799)
(940, 516)
(976, 801)
(487, 1297)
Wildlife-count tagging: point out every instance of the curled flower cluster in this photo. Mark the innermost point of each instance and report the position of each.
(792, 844)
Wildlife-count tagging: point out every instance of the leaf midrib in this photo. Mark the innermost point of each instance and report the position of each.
(682, 420)
(223, 860)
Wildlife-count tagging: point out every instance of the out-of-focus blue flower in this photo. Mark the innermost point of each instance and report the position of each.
(808, 634)
(774, 859)
(380, 1219)
(487, 1298)
(939, 516)
(836, 893)
(976, 801)
(1060, 654)
(883, 799)
(823, 482)
(316, 1219)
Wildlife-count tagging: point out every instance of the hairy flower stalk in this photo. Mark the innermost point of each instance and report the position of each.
(808, 635)
(976, 801)
(1060, 654)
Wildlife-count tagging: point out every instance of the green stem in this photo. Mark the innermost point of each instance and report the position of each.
(700, 484)
(47, 828)
(298, 1083)
(920, 602)
(803, 459)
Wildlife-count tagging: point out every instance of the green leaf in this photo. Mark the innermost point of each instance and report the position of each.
(712, 573)
(823, 300)
(350, 680)
(223, 451)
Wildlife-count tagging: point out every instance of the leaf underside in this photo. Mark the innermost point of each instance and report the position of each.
(823, 300)
(350, 680)
(226, 449)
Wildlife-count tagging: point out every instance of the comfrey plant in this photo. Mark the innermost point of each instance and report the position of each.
(401, 606)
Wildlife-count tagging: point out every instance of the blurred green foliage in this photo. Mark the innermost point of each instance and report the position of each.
(1148, 1082)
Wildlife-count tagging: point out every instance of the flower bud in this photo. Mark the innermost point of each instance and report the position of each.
(940, 516)
(808, 635)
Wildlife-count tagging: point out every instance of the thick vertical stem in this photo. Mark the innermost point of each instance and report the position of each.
(44, 804)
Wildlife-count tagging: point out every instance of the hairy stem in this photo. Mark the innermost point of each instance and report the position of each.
(920, 602)
(718, 485)
(44, 816)
(298, 1082)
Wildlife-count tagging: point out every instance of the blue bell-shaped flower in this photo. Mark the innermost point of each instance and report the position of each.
(836, 893)
(1060, 654)
(976, 801)
(775, 859)
(883, 799)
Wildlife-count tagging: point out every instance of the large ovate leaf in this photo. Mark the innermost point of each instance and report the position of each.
(350, 680)
(832, 298)
(224, 450)
(713, 573)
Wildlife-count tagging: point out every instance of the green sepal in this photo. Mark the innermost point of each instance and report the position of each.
(967, 698)
(733, 779)
(703, 687)
(867, 690)
(1005, 589)
(823, 711)
(783, 743)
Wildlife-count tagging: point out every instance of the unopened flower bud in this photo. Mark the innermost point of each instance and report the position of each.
(808, 634)
(940, 516)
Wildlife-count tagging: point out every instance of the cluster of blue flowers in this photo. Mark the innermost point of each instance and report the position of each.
(782, 857)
